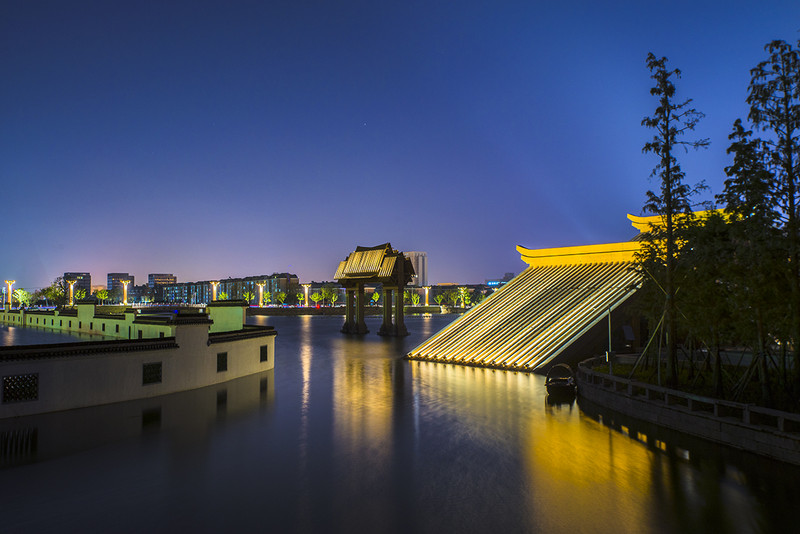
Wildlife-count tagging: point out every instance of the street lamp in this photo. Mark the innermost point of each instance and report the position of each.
(462, 291)
(426, 288)
(260, 293)
(124, 292)
(214, 290)
(71, 292)
(306, 286)
(10, 283)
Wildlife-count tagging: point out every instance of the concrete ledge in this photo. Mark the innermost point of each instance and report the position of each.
(337, 310)
(747, 427)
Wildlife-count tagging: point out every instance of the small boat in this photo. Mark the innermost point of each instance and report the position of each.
(560, 381)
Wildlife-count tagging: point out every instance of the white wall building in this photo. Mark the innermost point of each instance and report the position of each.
(420, 262)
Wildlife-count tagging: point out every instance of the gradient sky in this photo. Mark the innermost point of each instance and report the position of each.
(215, 139)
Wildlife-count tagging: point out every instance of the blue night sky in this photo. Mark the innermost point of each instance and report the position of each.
(215, 139)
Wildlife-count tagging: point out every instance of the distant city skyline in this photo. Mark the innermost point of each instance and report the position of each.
(211, 140)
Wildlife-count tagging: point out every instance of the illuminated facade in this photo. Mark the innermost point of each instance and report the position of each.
(154, 280)
(550, 312)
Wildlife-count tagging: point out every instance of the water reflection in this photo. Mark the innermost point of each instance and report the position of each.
(40, 335)
(182, 417)
(346, 436)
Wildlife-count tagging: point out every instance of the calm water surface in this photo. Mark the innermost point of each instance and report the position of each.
(14, 335)
(345, 436)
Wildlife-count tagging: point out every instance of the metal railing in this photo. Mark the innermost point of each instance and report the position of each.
(744, 413)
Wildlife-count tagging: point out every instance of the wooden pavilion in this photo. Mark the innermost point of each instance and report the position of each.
(375, 265)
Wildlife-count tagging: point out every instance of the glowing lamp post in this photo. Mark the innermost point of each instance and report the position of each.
(214, 290)
(260, 293)
(306, 286)
(124, 292)
(426, 288)
(10, 283)
(71, 291)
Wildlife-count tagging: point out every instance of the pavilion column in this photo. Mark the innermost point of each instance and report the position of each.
(386, 328)
(349, 324)
(361, 326)
(399, 323)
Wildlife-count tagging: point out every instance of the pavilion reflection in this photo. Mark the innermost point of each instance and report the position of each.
(363, 400)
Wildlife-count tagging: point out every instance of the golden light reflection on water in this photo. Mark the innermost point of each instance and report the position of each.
(363, 400)
(485, 400)
(580, 475)
(577, 469)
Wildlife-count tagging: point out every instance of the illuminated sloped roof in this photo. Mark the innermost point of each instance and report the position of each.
(531, 320)
(374, 264)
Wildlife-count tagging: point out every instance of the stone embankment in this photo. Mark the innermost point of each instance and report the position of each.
(748, 427)
(335, 310)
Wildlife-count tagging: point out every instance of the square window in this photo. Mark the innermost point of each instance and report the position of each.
(117, 329)
(104, 327)
(264, 353)
(151, 373)
(222, 362)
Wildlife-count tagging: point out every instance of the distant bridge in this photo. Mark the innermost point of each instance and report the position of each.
(555, 310)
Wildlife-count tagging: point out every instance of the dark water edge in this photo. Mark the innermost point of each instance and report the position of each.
(346, 436)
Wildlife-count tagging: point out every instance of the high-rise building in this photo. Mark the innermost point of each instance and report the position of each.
(420, 262)
(115, 280)
(154, 280)
(82, 281)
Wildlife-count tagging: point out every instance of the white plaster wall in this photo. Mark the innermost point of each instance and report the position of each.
(79, 381)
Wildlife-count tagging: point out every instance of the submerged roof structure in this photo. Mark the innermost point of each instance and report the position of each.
(533, 320)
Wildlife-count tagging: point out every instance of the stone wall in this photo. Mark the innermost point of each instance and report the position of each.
(46, 378)
(747, 427)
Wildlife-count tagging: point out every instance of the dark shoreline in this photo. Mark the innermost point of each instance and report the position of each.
(747, 427)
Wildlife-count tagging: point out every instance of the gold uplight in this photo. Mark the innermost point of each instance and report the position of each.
(71, 291)
(10, 283)
(124, 292)
(260, 293)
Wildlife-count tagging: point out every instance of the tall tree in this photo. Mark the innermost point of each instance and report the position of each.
(774, 99)
(671, 120)
(757, 300)
(102, 295)
(22, 296)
